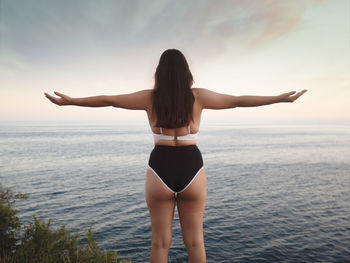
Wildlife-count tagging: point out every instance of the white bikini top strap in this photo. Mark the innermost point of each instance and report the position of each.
(161, 131)
(189, 129)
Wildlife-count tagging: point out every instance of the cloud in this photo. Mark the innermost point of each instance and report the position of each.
(245, 23)
(41, 31)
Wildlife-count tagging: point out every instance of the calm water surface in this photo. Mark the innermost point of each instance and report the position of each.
(276, 192)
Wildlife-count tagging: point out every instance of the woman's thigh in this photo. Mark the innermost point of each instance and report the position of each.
(191, 205)
(161, 204)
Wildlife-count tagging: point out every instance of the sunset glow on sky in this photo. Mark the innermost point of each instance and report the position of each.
(261, 47)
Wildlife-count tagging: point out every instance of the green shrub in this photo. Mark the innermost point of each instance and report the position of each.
(38, 242)
(10, 224)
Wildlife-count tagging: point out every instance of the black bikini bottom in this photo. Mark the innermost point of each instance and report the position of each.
(176, 166)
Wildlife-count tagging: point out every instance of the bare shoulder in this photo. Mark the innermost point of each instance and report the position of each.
(198, 91)
(145, 92)
(139, 100)
(149, 91)
(212, 100)
(145, 96)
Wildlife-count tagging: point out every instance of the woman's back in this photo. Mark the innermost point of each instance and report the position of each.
(178, 133)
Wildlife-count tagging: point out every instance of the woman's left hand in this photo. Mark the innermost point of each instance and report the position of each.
(63, 100)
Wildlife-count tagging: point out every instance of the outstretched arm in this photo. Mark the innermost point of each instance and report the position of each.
(212, 100)
(132, 101)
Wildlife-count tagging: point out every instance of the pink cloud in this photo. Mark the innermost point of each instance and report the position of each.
(250, 23)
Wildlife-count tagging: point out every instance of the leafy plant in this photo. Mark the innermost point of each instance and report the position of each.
(38, 242)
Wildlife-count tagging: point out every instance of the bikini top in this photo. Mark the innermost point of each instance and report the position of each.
(189, 136)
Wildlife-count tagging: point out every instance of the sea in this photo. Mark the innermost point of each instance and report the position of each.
(277, 191)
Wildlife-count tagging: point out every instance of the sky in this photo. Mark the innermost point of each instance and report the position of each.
(238, 47)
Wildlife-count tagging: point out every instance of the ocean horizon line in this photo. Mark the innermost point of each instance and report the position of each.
(139, 122)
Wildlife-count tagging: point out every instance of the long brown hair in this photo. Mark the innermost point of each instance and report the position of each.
(172, 98)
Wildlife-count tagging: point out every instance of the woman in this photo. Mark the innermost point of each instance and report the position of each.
(175, 175)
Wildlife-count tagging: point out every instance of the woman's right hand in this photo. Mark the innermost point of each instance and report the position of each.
(289, 97)
(63, 100)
